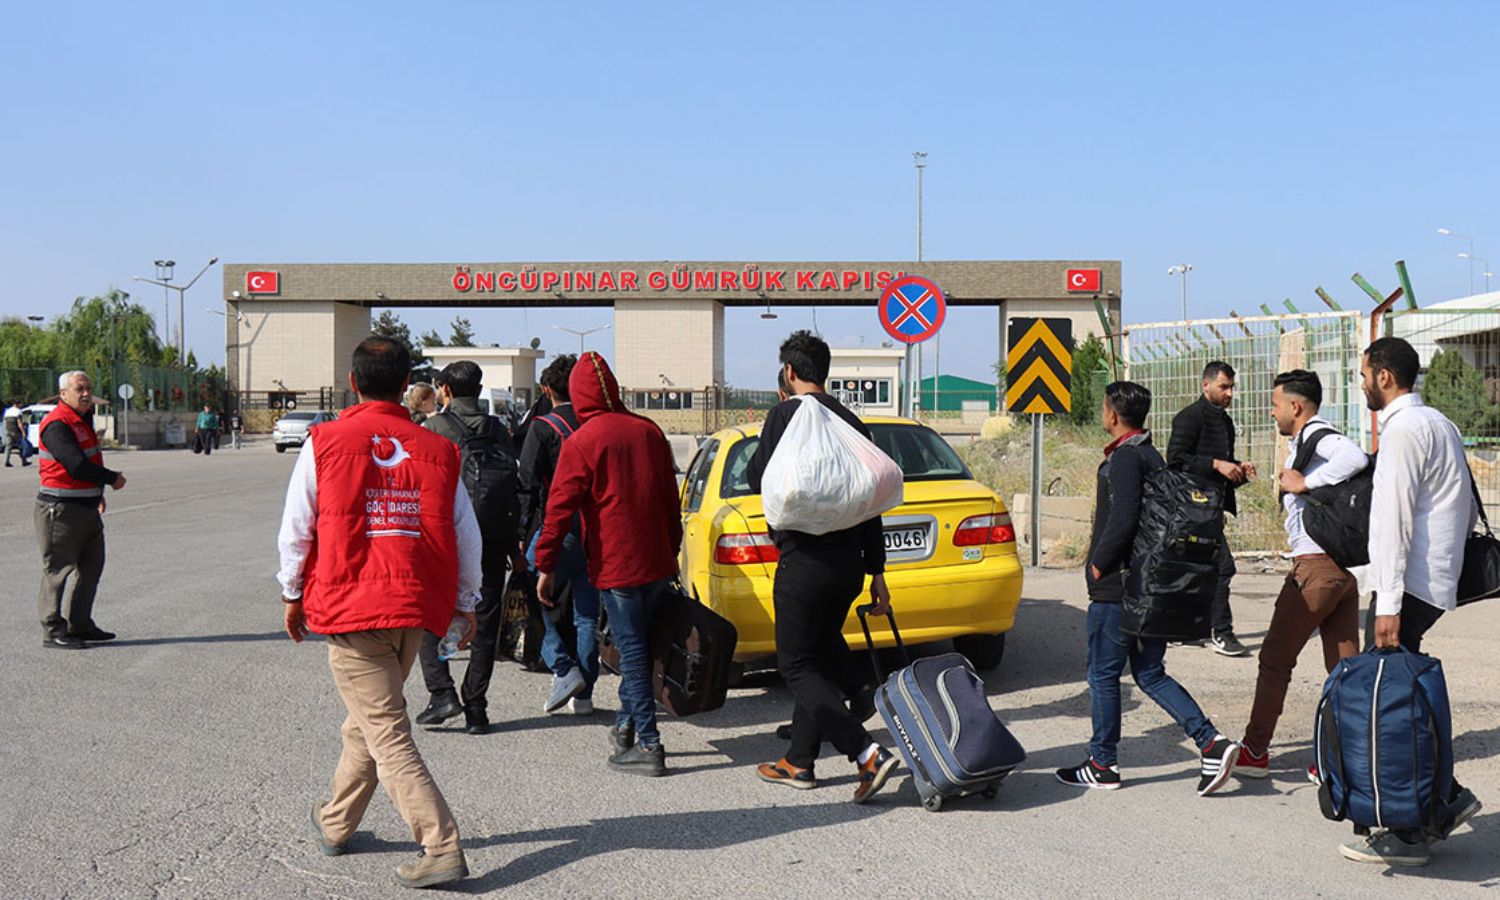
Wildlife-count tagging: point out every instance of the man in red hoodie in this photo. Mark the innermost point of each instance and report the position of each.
(617, 473)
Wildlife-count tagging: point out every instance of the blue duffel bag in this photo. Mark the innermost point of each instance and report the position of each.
(1383, 740)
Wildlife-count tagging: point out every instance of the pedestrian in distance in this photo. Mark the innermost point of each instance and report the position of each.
(421, 402)
(14, 434)
(208, 427)
(1422, 511)
(1318, 595)
(378, 547)
(616, 474)
(237, 430)
(69, 516)
(818, 577)
(575, 669)
(1202, 442)
(493, 495)
(1129, 458)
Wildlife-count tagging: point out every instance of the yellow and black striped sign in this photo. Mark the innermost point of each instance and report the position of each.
(1039, 366)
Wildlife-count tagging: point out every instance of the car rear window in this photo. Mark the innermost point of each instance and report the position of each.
(921, 453)
(299, 417)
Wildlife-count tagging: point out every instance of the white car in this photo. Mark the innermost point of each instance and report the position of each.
(31, 421)
(291, 429)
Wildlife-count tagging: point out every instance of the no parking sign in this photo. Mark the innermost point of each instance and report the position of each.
(912, 309)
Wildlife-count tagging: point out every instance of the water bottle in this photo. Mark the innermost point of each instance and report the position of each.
(448, 646)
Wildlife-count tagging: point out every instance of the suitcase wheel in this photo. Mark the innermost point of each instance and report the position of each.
(992, 791)
(933, 803)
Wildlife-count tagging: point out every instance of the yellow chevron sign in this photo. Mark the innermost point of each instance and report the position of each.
(1039, 366)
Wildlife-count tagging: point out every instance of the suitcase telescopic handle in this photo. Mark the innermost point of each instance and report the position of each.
(864, 611)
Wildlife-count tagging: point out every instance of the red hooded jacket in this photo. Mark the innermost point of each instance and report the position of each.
(616, 471)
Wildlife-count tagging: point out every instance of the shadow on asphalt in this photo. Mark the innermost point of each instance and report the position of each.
(199, 639)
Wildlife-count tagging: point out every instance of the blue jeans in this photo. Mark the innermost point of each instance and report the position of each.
(630, 611)
(572, 567)
(1109, 651)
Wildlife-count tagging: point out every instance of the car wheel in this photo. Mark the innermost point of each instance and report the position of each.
(281, 448)
(983, 650)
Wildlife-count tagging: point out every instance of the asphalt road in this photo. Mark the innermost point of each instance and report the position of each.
(181, 760)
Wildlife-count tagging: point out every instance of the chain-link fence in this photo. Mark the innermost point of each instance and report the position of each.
(1169, 358)
(155, 388)
(1460, 351)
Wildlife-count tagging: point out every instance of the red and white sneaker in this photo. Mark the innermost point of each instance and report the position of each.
(1313, 776)
(1251, 766)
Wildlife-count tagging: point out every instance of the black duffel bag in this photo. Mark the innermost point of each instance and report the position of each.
(1480, 577)
(1174, 569)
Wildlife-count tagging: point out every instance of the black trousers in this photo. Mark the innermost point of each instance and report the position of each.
(489, 615)
(1222, 618)
(812, 597)
(1417, 618)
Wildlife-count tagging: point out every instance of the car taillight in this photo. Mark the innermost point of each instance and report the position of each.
(977, 531)
(745, 550)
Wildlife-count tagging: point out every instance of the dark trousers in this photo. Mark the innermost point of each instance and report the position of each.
(1317, 596)
(71, 538)
(1417, 618)
(489, 614)
(812, 597)
(1219, 613)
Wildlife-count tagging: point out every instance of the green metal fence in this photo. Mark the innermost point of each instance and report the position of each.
(155, 388)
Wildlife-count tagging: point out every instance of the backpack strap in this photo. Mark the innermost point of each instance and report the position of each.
(1478, 502)
(558, 424)
(1308, 447)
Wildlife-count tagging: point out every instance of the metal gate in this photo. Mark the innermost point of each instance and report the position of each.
(1168, 358)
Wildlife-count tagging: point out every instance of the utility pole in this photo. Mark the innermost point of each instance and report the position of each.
(919, 161)
(1182, 269)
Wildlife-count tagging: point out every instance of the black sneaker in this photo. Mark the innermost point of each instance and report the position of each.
(1229, 645)
(1091, 775)
(443, 707)
(1217, 765)
(476, 720)
(62, 642)
(641, 760)
(620, 739)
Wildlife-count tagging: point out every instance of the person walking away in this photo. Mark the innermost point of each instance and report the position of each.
(492, 486)
(421, 402)
(378, 547)
(1421, 513)
(237, 430)
(208, 424)
(1317, 596)
(1129, 458)
(1202, 442)
(616, 473)
(575, 669)
(13, 434)
(818, 577)
(69, 516)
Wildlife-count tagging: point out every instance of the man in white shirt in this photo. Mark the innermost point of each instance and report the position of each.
(378, 547)
(1319, 595)
(1421, 513)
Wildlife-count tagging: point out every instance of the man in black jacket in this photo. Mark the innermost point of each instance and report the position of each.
(1128, 459)
(1202, 443)
(817, 579)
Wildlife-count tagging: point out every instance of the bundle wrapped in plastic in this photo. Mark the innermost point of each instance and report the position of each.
(825, 476)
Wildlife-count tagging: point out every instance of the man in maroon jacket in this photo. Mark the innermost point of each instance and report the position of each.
(617, 472)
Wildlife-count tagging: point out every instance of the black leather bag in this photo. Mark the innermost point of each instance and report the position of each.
(1480, 577)
(1174, 567)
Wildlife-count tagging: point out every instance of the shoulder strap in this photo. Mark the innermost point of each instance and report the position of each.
(558, 424)
(1309, 446)
(1478, 502)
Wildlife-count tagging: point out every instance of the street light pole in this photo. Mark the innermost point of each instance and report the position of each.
(1182, 269)
(1472, 259)
(914, 352)
(581, 334)
(1448, 232)
(164, 277)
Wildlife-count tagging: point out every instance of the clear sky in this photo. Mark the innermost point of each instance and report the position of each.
(1275, 146)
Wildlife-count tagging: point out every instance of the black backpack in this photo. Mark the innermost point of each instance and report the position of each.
(1174, 569)
(1337, 516)
(492, 477)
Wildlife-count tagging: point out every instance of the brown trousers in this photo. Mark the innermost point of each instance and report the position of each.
(370, 668)
(1317, 596)
(71, 538)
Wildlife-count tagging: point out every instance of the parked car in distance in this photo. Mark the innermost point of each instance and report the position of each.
(291, 429)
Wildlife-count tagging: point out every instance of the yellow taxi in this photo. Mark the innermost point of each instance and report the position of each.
(951, 560)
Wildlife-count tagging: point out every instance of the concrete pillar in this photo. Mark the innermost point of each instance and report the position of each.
(682, 340)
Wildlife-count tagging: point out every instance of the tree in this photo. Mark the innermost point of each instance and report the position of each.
(389, 325)
(463, 333)
(1090, 371)
(1457, 390)
(431, 338)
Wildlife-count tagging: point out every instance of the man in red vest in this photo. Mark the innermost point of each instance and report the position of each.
(378, 545)
(69, 516)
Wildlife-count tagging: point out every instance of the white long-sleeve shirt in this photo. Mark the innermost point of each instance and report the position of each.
(1422, 509)
(1334, 460)
(299, 521)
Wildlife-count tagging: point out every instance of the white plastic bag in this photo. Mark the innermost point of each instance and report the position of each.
(825, 476)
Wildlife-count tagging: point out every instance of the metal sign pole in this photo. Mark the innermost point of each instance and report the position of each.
(1036, 489)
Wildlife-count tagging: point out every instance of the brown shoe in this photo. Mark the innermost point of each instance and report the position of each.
(783, 772)
(432, 869)
(873, 774)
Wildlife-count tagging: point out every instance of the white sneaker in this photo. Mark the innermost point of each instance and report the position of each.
(581, 706)
(564, 688)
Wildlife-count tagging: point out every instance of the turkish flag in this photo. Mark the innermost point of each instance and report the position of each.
(1084, 280)
(262, 283)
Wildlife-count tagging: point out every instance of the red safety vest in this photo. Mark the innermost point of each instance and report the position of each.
(385, 552)
(56, 482)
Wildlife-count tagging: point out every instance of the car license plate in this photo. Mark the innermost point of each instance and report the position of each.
(906, 540)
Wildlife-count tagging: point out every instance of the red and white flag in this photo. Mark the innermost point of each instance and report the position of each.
(262, 282)
(1084, 280)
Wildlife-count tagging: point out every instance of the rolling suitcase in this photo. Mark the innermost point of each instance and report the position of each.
(692, 654)
(950, 739)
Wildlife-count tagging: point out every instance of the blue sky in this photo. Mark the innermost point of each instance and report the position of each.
(1275, 146)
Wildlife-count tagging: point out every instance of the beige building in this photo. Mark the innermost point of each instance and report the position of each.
(291, 327)
(867, 379)
(509, 372)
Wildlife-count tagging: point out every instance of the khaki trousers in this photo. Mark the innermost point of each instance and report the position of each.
(370, 668)
(1317, 596)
